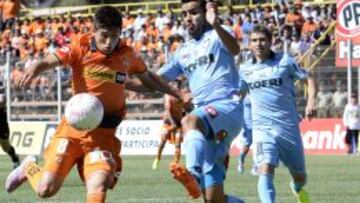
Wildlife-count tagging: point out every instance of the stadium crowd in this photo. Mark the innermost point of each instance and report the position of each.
(295, 26)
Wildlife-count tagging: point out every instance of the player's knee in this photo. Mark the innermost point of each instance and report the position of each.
(266, 169)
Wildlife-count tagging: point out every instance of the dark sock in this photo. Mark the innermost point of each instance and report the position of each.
(13, 155)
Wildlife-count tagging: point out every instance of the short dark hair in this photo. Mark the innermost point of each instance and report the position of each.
(107, 17)
(202, 3)
(259, 28)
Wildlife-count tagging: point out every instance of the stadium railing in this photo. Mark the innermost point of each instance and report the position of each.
(147, 7)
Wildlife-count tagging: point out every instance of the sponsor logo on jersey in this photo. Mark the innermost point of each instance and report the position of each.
(202, 60)
(266, 83)
(105, 75)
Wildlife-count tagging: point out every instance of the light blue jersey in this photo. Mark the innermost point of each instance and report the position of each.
(272, 90)
(275, 119)
(213, 81)
(208, 66)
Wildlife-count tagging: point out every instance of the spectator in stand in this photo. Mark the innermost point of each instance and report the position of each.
(139, 20)
(320, 31)
(161, 19)
(309, 26)
(324, 102)
(294, 18)
(351, 120)
(9, 10)
(40, 42)
(298, 46)
(286, 36)
(339, 99)
(37, 24)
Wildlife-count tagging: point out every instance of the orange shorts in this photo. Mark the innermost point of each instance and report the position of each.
(90, 150)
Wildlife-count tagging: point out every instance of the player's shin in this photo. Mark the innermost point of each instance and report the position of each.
(96, 197)
(177, 153)
(266, 188)
(195, 146)
(33, 173)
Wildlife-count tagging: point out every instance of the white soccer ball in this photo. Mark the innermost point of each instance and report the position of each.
(84, 111)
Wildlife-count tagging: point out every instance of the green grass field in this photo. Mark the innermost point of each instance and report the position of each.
(332, 179)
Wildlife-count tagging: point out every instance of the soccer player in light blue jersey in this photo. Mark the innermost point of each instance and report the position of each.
(276, 136)
(206, 59)
(246, 136)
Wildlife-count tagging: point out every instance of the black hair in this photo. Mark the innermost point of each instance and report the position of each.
(107, 17)
(202, 3)
(259, 28)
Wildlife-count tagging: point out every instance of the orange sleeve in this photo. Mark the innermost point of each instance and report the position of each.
(137, 65)
(69, 54)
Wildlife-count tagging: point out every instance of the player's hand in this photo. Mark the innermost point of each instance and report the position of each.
(310, 110)
(211, 13)
(24, 79)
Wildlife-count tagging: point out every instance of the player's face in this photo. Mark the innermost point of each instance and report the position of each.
(260, 45)
(107, 39)
(194, 17)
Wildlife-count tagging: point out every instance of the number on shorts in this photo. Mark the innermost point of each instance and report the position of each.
(63, 143)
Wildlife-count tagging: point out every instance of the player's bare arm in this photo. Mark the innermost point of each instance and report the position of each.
(312, 91)
(212, 18)
(49, 62)
(135, 85)
(156, 83)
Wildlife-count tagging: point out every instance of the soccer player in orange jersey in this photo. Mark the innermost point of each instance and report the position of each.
(174, 111)
(101, 65)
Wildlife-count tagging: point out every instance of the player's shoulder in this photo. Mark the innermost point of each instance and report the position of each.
(246, 64)
(285, 58)
(85, 40)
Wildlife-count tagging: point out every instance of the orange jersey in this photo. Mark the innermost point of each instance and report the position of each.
(174, 106)
(101, 75)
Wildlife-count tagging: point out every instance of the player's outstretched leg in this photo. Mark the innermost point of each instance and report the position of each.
(10, 150)
(18, 176)
(243, 153)
(156, 162)
(266, 188)
(178, 140)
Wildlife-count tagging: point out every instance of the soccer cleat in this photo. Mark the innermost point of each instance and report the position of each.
(155, 164)
(302, 196)
(240, 168)
(17, 176)
(182, 175)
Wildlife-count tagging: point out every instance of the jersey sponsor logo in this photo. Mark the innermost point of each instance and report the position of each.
(105, 75)
(202, 60)
(211, 111)
(266, 83)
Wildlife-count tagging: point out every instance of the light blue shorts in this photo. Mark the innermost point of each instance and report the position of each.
(222, 120)
(280, 145)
